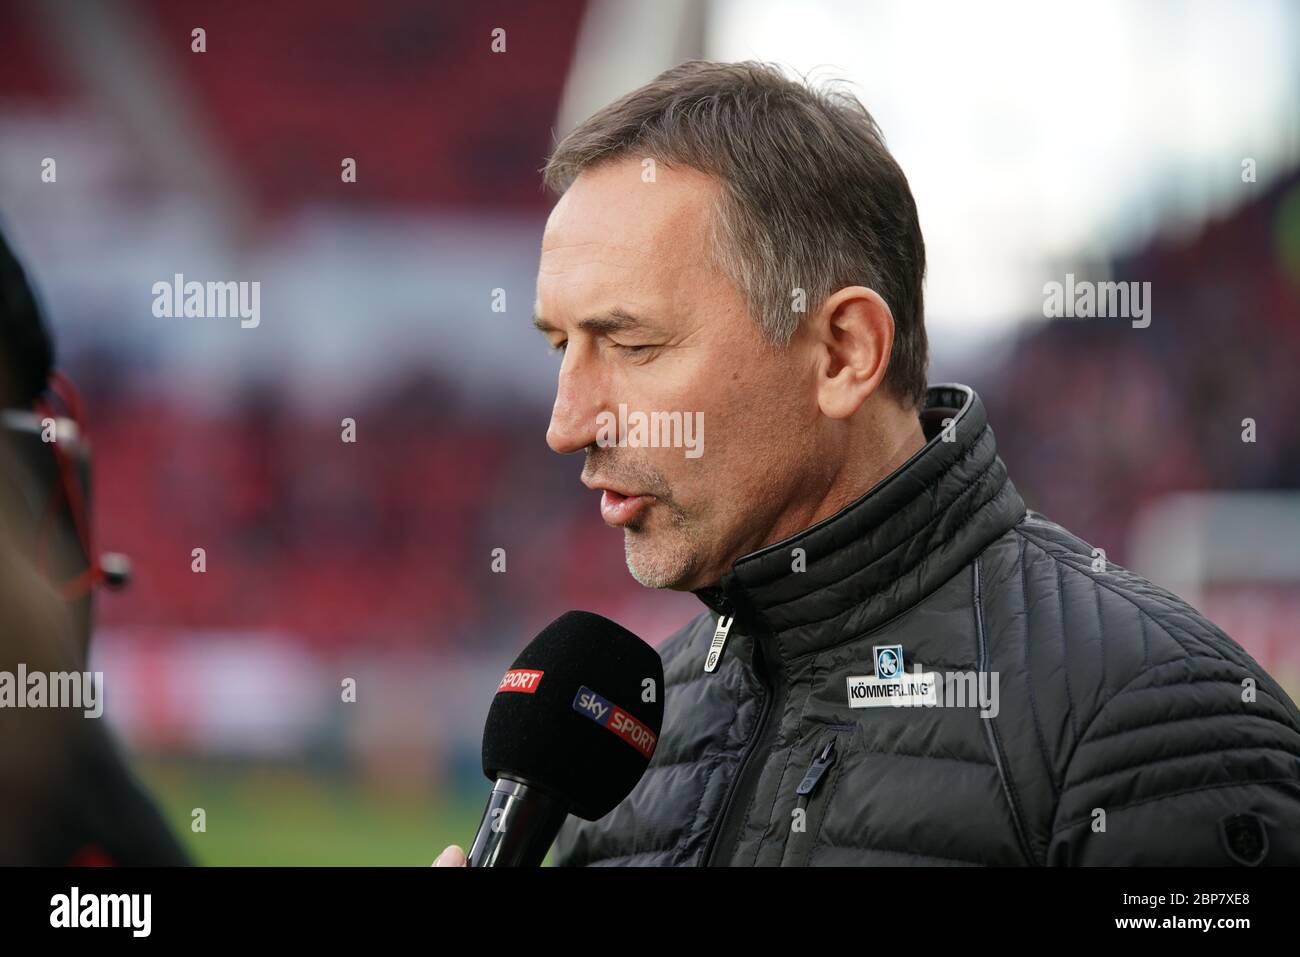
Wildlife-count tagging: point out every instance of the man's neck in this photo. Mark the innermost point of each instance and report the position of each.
(852, 483)
(865, 467)
(862, 471)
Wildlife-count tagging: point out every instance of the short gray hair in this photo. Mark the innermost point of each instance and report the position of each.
(811, 198)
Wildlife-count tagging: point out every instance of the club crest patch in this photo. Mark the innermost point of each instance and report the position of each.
(891, 686)
(889, 661)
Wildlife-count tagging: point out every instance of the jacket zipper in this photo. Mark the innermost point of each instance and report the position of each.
(714, 657)
(812, 780)
(816, 770)
(769, 693)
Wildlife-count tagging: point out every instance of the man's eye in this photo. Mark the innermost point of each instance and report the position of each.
(559, 346)
(631, 350)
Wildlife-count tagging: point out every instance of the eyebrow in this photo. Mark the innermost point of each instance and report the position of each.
(614, 320)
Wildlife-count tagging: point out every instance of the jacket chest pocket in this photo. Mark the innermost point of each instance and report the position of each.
(820, 757)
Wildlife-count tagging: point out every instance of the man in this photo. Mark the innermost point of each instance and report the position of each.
(899, 664)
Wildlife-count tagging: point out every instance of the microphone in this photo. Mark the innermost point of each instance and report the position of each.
(571, 730)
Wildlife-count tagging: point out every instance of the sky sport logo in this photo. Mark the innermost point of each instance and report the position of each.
(520, 679)
(610, 716)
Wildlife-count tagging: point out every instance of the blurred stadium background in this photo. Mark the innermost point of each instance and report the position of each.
(1105, 140)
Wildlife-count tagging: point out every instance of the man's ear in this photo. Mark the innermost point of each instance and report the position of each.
(854, 333)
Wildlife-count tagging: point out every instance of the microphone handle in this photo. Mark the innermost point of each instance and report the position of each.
(518, 826)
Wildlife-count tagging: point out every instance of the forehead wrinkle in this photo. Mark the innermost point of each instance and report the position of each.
(647, 251)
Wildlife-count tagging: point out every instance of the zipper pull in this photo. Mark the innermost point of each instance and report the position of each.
(715, 646)
(815, 771)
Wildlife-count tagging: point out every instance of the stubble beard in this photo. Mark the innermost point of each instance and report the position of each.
(665, 557)
(667, 552)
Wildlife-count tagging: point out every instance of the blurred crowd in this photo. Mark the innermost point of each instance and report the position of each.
(1097, 419)
(390, 539)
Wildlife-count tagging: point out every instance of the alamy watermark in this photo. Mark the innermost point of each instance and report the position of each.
(132, 912)
(53, 689)
(209, 300)
(669, 430)
(1085, 299)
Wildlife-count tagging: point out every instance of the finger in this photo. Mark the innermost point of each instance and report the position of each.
(452, 856)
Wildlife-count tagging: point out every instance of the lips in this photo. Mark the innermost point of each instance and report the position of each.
(618, 509)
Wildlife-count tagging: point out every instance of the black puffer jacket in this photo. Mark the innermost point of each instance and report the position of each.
(1125, 728)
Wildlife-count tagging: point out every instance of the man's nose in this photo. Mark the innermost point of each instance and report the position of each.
(573, 418)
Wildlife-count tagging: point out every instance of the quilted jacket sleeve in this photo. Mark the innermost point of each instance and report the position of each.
(1194, 762)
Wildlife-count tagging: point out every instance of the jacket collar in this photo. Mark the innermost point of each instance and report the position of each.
(884, 552)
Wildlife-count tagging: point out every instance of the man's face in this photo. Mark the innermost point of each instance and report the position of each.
(627, 288)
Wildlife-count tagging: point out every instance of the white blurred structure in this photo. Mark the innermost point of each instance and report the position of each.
(1035, 134)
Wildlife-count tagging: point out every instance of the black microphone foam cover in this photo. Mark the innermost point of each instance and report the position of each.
(578, 713)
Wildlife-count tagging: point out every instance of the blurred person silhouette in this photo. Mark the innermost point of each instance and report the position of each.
(66, 795)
